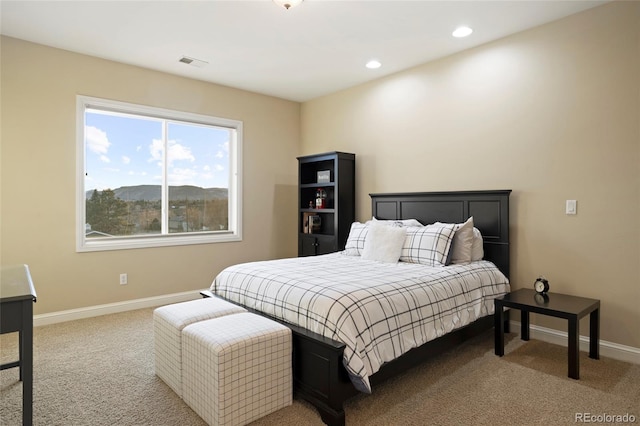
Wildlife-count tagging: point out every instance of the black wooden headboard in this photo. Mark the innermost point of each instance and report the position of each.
(490, 211)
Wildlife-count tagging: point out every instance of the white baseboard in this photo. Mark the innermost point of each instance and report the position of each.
(608, 349)
(113, 308)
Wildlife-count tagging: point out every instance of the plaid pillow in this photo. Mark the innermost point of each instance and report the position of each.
(355, 240)
(428, 245)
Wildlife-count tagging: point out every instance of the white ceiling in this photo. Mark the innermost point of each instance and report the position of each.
(312, 50)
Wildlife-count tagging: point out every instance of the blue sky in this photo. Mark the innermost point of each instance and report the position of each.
(126, 151)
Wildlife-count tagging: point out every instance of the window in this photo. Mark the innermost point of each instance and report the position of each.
(150, 177)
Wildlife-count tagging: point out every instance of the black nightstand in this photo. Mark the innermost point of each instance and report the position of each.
(571, 308)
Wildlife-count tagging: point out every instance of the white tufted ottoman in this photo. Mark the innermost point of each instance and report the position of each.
(236, 369)
(168, 322)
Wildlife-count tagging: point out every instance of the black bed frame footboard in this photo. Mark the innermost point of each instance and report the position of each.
(319, 375)
(318, 372)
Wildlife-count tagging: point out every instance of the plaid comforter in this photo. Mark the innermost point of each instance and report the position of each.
(378, 310)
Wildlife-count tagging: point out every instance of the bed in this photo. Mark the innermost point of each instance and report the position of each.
(357, 321)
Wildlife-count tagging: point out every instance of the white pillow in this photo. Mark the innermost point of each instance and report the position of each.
(462, 242)
(396, 222)
(384, 243)
(477, 250)
(428, 245)
(355, 240)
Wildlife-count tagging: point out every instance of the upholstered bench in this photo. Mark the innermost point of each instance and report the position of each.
(237, 368)
(168, 322)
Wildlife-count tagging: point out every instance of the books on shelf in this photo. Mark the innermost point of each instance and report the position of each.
(312, 223)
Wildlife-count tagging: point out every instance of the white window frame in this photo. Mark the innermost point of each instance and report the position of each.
(234, 233)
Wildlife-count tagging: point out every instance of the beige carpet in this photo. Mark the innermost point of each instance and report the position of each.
(99, 371)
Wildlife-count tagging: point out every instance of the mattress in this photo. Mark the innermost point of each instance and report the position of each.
(378, 310)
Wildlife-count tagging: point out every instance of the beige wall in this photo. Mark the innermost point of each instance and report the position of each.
(553, 114)
(38, 177)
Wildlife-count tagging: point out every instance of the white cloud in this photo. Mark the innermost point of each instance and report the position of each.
(224, 150)
(179, 152)
(175, 151)
(97, 140)
(155, 149)
(126, 160)
(182, 176)
(105, 159)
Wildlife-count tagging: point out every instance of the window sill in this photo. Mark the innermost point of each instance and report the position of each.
(155, 241)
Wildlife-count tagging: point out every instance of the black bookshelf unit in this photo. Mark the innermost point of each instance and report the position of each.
(324, 229)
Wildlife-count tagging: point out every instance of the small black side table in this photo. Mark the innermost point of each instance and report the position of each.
(571, 308)
(17, 296)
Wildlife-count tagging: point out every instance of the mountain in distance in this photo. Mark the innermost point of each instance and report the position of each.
(153, 193)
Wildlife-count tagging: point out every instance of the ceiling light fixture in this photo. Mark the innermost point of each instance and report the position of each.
(462, 32)
(373, 64)
(287, 4)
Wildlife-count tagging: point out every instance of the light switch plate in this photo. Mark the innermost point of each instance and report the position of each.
(572, 207)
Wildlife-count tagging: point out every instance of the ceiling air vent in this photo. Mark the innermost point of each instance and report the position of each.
(193, 62)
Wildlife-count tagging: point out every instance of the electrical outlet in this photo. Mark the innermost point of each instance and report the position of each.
(123, 279)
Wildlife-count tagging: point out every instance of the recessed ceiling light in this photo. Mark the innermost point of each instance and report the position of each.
(373, 64)
(462, 32)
